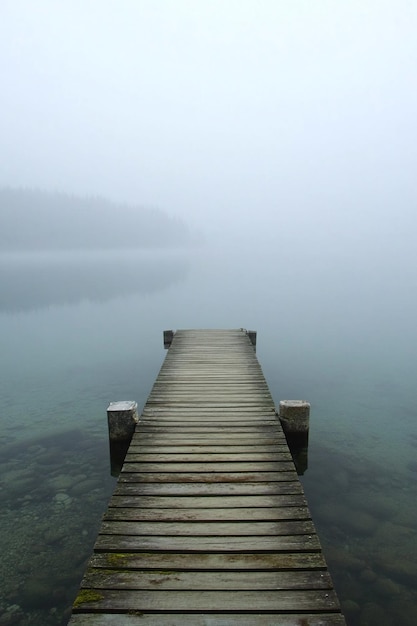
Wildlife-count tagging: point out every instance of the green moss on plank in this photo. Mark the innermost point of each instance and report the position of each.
(115, 559)
(87, 595)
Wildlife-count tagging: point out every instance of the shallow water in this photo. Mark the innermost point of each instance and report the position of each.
(77, 333)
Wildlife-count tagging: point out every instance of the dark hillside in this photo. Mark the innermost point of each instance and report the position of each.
(32, 220)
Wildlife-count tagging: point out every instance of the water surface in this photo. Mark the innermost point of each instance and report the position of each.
(79, 331)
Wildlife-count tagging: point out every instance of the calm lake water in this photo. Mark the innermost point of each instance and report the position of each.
(80, 330)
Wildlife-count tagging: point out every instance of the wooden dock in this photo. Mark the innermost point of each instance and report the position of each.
(208, 524)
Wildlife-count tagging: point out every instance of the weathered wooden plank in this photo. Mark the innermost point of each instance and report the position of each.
(129, 543)
(173, 440)
(223, 386)
(222, 391)
(233, 373)
(211, 362)
(209, 352)
(246, 381)
(207, 424)
(205, 420)
(221, 351)
(124, 600)
(232, 378)
(263, 402)
(208, 357)
(249, 459)
(210, 432)
(209, 435)
(205, 385)
(205, 411)
(248, 561)
(227, 373)
(250, 379)
(174, 412)
(207, 619)
(206, 502)
(239, 438)
(240, 360)
(207, 514)
(207, 429)
(132, 476)
(211, 400)
(182, 366)
(275, 450)
(207, 379)
(205, 444)
(214, 402)
(208, 529)
(226, 352)
(162, 417)
(133, 465)
(195, 580)
(212, 368)
(211, 489)
(162, 443)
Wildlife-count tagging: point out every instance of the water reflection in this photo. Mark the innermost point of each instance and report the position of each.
(38, 280)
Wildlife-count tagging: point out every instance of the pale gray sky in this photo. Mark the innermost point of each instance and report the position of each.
(299, 115)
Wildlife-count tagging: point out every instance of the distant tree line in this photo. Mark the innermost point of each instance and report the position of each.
(32, 220)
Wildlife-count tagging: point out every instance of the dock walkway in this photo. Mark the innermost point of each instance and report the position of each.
(208, 524)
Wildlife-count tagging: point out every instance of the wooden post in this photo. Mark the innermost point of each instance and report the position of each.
(252, 336)
(294, 416)
(168, 337)
(118, 450)
(122, 418)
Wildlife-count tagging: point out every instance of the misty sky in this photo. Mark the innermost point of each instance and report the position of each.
(294, 118)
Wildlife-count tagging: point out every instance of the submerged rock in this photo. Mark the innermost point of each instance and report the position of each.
(379, 505)
(85, 486)
(12, 616)
(54, 535)
(350, 608)
(367, 576)
(62, 482)
(386, 587)
(62, 499)
(399, 568)
(343, 559)
(360, 523)
(36, 594)
(373, 614)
